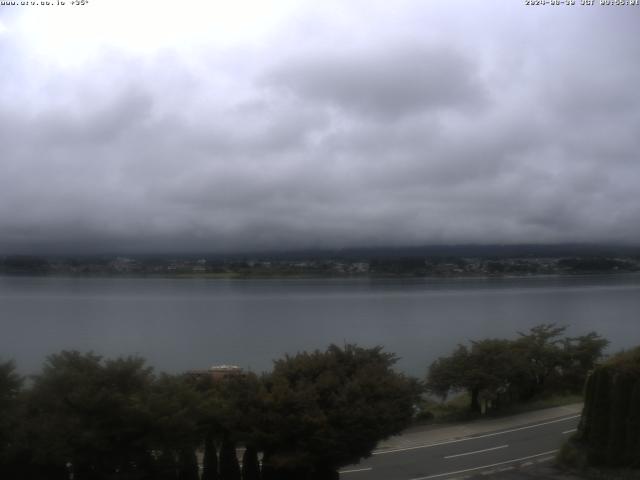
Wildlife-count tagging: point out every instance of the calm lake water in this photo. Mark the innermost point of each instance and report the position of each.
(178, 324)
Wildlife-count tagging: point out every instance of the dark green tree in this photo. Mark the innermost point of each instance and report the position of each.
(235, 408)
(210, 459)
(498, 371)
(541, 349)
(187, 464)
(166, 466)
(327, 409)
(229, 466)
(608, 430)
(487, 371)
(446, 374)
(176, 407)
(250, 465)
(581, 355)
(10, 390)
(632, 447)
(91, 414)
(10, 386)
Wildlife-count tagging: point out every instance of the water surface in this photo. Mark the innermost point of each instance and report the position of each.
(178, 324)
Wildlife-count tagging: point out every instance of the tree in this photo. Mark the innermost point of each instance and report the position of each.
(494, 369)
(177, 410)
(250, 465)
(541, 350)
(499, 370)
(232, 409)
(10, 385)
(188, 464)
(240, 407)
(446, 374)
(487, 370)
(229, 466)
(91, 414)
(609, 428)
(329, 409)
(166, 466)
(582, 354)
(210, 459)
(10, 390)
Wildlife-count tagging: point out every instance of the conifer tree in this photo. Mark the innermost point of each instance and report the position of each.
(610, 427)
(210, 460)
(229, 466)
(166, 466)
(250, 465)
(188, 465)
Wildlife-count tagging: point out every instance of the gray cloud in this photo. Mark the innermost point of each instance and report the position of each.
(394, 81)
(393, 139)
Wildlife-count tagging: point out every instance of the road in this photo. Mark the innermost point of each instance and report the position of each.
(490, 451)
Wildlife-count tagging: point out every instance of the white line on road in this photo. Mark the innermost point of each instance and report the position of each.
(485, 466)
(466, 439)
(356, 470)
(477, 451)
(570, 431)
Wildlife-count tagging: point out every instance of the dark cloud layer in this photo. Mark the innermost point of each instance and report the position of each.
(468, 126)
(387, 82)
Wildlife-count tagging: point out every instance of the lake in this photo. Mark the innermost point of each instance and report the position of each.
(179, 324)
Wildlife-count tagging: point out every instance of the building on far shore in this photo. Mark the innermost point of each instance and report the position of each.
(218, 372)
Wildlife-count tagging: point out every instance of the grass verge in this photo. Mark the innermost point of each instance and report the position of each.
(456, 409)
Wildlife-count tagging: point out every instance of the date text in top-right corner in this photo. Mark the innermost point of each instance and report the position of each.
(583, 3)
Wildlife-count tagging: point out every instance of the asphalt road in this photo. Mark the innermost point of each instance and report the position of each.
(493, 451)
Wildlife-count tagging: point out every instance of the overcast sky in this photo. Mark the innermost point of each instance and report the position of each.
(143, 125)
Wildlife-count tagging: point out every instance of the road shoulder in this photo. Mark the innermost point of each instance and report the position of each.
(427, 435)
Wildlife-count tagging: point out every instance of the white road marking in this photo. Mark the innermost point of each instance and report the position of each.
(545, 459)
(356, 470)
(570, 431)
(477, 451)
(485, 466)
(466, 439)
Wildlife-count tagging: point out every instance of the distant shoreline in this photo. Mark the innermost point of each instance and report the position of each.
(339, 267)
(232, 276)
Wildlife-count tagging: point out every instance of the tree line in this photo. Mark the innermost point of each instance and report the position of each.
(499, 372)
(86, 417)
(91, 418)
